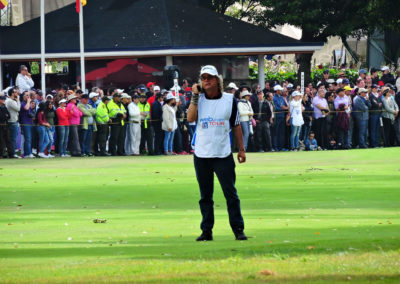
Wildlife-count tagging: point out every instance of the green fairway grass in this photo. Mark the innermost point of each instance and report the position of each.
(311, 217)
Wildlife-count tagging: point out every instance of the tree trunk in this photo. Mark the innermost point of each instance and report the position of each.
(304, 60)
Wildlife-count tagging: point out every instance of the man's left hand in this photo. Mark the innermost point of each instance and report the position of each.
(241, 157)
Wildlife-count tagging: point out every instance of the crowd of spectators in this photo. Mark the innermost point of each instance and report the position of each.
(148, 120)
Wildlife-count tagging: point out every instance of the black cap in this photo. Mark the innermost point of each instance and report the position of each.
(135, 97)
(2, 97)
(373, 70)
(85, 96)
(340, 90)
(326, 71)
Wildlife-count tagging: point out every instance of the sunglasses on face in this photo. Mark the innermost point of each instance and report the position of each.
(206, 77)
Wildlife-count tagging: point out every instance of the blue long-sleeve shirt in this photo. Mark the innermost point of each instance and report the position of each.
(279, 101)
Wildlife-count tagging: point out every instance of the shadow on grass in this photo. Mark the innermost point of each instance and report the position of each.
(276, 244)
(335, 278)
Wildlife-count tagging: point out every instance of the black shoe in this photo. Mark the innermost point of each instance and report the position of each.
(240, 236)
(205, 236)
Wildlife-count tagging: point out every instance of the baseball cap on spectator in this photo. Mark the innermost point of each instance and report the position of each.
(375, 86)
(156, 88)
(142, 89)
(296, 93)
(125, 96)
(92, 95)
(163, 91)
(373, 70)
(362, 90)
(278, 88)
(384, 68)
(169, 96)
(209, 69)
(340, 90)
(120, 91)
(326, 71)
(346, 81)
(290, 85)
(339, 81)
(84, 96)
(362, 71)
(233, 86)
(149, 84)
(49, 96)
(330, 81)
(135, 96)
(348, 88)
(62, 101)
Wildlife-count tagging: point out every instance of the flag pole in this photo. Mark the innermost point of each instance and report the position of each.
(82, 49)
(42, 48)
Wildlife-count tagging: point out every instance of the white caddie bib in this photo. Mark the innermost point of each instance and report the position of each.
(212, 138)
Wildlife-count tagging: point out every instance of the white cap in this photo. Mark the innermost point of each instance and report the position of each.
(62, 101)
(49, 96)
(92, 95)
(384, 68)
(362, 90)
(290, 85)
(120, 91)
(339, 81)
(245, 93)
(232, 86)
(278, 88)
(169, 96)
(296, 93)
(330, 81)
(125, 96)
(156, 88)
(209, 69)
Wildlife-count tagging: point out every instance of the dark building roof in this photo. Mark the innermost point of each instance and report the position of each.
(143, 25)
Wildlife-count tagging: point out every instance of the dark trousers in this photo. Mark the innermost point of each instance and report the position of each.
(263, 136)
(362, 126)
(321, 132)
(101, 139)
(73, 141)
(280, 132)
(388, 131)
(178, 146)
(5, 141)
(158, 138)
(146, 139)
(342, 138)
(374, 130)
(224, 168)
(116, 144)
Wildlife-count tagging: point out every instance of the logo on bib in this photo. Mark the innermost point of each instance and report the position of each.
(212, 122)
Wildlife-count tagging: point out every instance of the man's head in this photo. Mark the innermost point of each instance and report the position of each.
(321, 90)
(142, 98)
(278, 89)
(13, 92)
(26, 96)
(125, 98)
(23, 70)
(94, 96)
(340, 92)
(374, 72)
(297, 95)
(326, 74)
(362, 73)
(260, 95)
(105, 100)
(150, 86)
(135, 98)
(360, 83)
(347, 90)
(211, 82)
(116, 97)
(84, 99)
(269, 96)
(363, 92)
(385, 70)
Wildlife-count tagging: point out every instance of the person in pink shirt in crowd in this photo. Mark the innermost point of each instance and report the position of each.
(63, 116)
(42, 126)
(74, 121)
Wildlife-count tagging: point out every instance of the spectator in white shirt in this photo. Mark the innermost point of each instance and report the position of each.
(24, 79)
(133, 131)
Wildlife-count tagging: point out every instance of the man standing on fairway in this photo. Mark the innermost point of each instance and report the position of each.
(216, 113)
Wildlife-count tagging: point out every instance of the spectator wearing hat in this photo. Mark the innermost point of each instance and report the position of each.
(262, 115)
(74, 121)
(145, 126)
(117, 114)
(94, 99)
(26, 116)
(281, 108)
(389, 114)
(246, 113)
(24, 79)
(180, 131)
(4, 133)
(361, 112)
(152, 98)
(63, 127)
(296, 119)
(150, 88)
(307, 115)
(374, 117)
(169, 123)
(321, 110)
(342, 105)
(102, 123)
(132, 140)
(87, 125)
(13, 106)
(156, 117)
(325, 78)
(362, 73)
(387, 77)
(232, 88)
(42, 126)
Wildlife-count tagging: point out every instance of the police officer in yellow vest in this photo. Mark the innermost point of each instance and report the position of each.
(146, 129)
(102, 120)
(117, 114)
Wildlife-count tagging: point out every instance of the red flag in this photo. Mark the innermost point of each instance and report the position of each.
(78, 8)
(3, 4)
